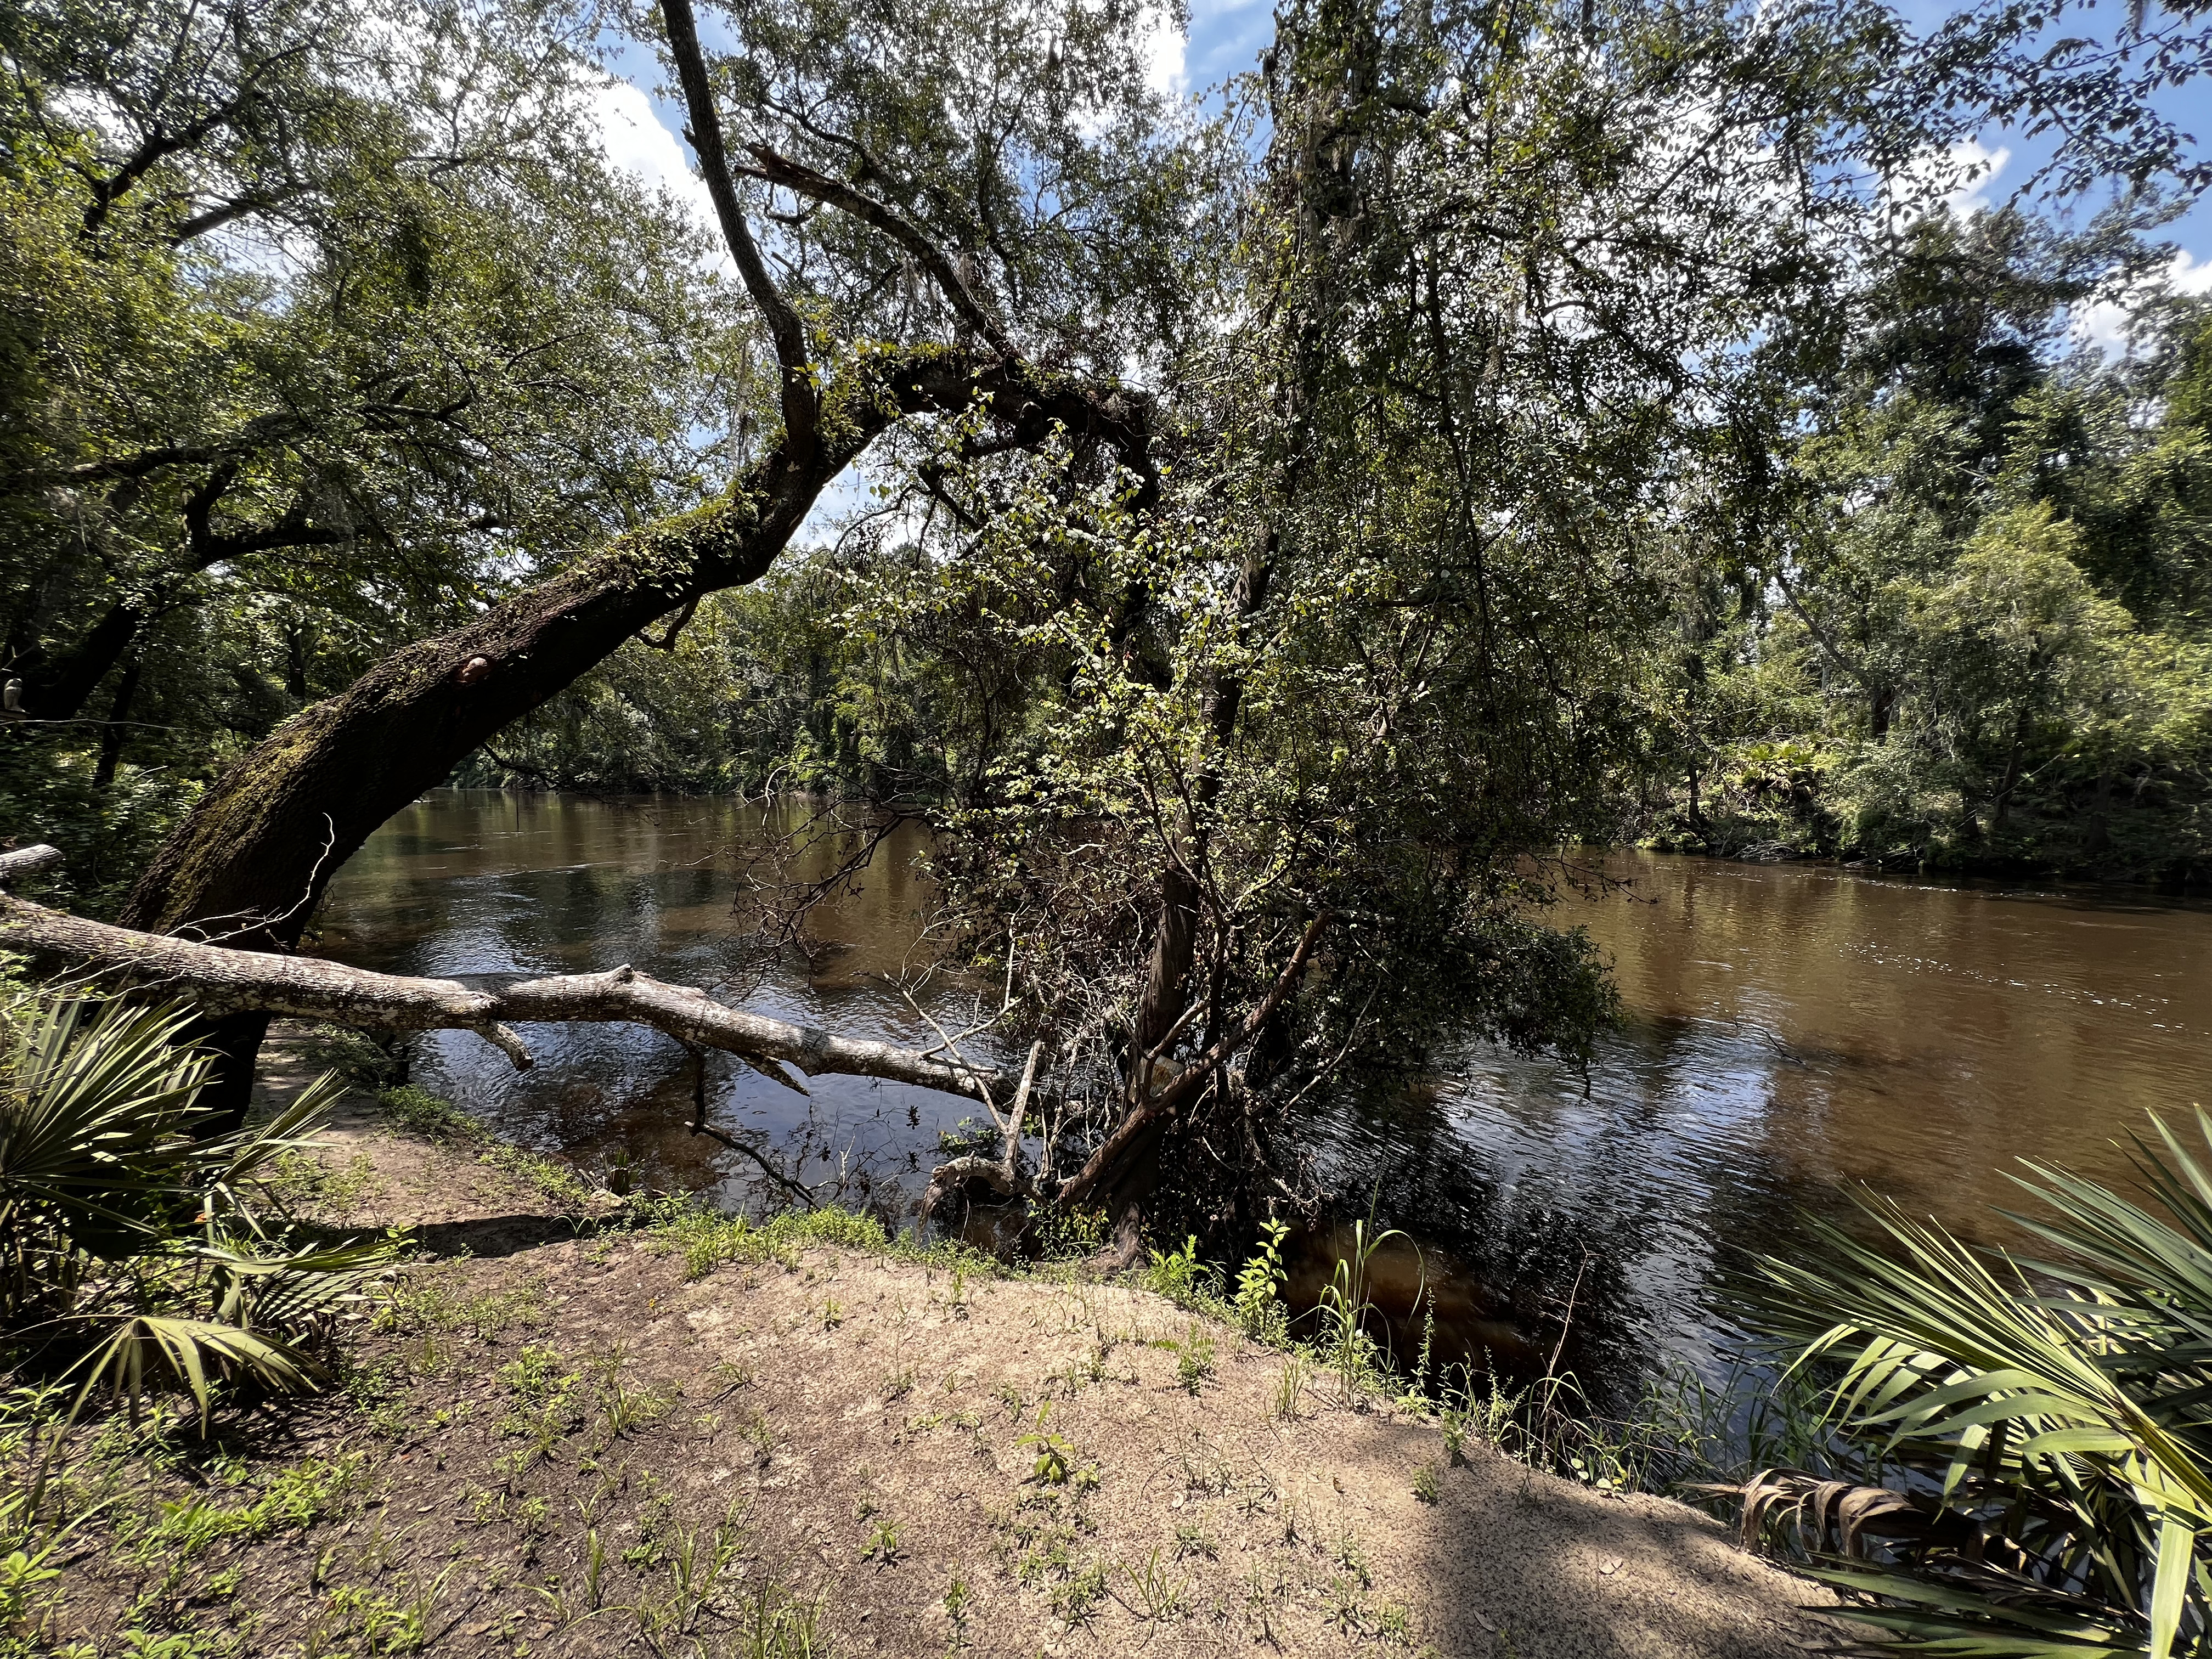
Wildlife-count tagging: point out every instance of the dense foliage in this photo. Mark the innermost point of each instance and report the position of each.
(1493, 426)
(1977, 633)
(1492, 430)
(318, 325)
(1860, 553)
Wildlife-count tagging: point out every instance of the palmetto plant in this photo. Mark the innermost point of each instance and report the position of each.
(134, 1250)
(2043, 1429)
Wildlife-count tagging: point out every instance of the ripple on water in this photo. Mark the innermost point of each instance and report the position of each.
(1791, 1031)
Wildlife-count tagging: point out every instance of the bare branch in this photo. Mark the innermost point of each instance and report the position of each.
(1021, 1106)
(774, 1073)
(222, 981)
(758, 1157)
(28, 861)
(952, 1045)
(796, 177)
(704, 128)
(223, 213)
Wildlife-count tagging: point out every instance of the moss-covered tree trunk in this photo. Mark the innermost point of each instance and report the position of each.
(248, 864)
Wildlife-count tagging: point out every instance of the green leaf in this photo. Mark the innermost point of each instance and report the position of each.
(2176, 1540)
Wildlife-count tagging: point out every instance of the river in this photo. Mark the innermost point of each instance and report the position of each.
(1791, 1032)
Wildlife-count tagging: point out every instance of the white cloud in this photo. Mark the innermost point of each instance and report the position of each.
(631, 135)
(1978, 170)
(1163, 47)
(2105, 325)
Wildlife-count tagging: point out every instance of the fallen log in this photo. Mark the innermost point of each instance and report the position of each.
(219, 980)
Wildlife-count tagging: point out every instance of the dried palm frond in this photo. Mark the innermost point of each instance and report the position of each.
(1819, 1509)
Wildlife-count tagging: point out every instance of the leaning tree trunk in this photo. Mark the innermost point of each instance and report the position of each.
(248, 864)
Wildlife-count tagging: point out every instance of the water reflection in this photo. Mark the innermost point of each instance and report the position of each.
(1789, 1031)
(484, 882)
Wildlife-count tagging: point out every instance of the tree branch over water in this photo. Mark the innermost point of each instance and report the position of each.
(221, 981)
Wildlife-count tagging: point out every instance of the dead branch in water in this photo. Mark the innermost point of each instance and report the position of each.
(220, 980)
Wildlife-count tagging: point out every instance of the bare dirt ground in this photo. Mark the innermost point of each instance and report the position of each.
(555, 1440)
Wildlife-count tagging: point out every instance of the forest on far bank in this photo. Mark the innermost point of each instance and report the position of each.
(1975, 636)
(1960, 618)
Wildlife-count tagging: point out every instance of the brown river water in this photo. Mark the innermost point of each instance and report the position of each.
(1791, 1032)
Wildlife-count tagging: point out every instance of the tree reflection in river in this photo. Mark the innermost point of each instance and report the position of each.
(484, 881)
(1790, 1028)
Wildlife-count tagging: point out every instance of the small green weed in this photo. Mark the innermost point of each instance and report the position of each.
(1347, 1556)
(777, 1625)
(302, 1180)
(436, 1299)
(706, 1239)
(623, 1407)
(1054, 1455)
(387, 1624)
(419, 1112)
(554, 1180)
(1067, 1235)
(1347, 1612)
(540, 1383)
(728, 1377)
(20, 1573)
(1357, 1360)
(1181, 1277)
(958, 1598)
(173, 1644)
(1159, 1595)
(1076, 1601)
(1290, 1387)
(1195, 1359)
(883, 1545)
(1259, 1308)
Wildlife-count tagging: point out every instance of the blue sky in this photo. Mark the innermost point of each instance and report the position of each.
(1226, 36)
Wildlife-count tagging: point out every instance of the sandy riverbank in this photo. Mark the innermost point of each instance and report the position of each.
(559, 1440)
